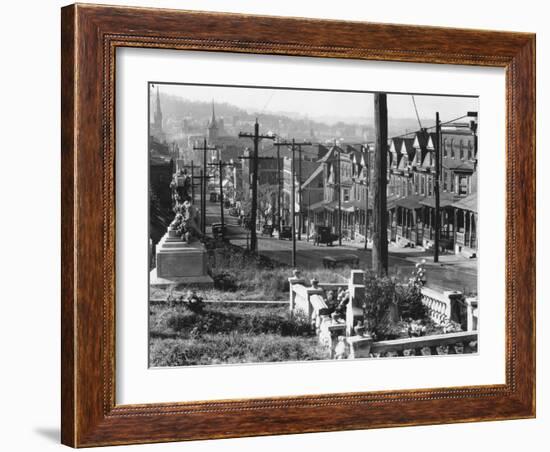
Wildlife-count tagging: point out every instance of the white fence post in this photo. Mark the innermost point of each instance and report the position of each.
(354, 308)
(471, 303)
(292, 281)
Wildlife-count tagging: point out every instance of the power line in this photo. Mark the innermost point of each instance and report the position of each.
(416, 111)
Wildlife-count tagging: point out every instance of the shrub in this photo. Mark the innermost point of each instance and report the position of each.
(225, 281)
(380, 301)
(409, 297)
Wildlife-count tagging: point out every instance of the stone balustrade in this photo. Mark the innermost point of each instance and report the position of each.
(438, 304)
(439, 344)
(341, 335)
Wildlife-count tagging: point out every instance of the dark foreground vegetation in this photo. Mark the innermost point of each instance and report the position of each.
(229, 333)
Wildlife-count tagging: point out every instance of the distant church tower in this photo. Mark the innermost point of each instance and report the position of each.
(156, 127)
(213, 131)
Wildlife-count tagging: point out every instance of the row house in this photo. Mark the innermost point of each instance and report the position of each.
(342, 172)
(310, 193)
(411, 206)
(410, 190)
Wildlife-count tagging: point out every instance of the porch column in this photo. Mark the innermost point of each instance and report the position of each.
(454, 225)
(470, 233)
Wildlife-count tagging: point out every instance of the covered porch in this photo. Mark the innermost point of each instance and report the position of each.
(465, 221)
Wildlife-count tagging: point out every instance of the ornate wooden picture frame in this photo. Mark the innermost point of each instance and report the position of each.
(90, 37)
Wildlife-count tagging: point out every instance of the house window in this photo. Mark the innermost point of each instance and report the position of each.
(346, 194)
(445, 184)
(430, 186)
(452, 177)
(463, 185)
(445, 147)
(452, 150)
(422, 185)
(461, 150)
(469, 151)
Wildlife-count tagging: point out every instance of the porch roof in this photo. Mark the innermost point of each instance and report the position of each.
(445, 200)
(467, 203)
(317, 206)
(410, 202)
(459, 166)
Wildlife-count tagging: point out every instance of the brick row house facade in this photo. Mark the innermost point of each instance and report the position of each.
(410, 189)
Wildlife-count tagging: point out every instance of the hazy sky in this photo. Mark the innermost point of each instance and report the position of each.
(325, 105)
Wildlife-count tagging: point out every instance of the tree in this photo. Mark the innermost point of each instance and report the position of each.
(267, 195)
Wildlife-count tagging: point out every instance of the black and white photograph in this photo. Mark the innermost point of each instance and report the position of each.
(292, 224)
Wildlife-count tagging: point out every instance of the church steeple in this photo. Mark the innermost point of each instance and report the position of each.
(212, 131)
(213, 119)
(158, 113)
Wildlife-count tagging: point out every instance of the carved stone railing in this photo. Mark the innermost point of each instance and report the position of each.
(438, 304)
(440, 344)
(440, 307)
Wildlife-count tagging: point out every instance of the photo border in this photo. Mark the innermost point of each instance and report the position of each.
(90, 36)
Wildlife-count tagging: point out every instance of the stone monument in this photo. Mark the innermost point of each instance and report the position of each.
(180, 257)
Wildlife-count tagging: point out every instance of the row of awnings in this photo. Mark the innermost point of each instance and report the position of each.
(412, 202)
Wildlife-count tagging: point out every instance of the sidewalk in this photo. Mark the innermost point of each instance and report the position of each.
(416, 255)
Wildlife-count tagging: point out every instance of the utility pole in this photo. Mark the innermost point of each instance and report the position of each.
(278, 144)
(205, 148)
(339, 175)
(308, 218)
(367, 180)
(202, 183)
(293, 202)
(300, 218)
(256, 138)
(436, 186)
(220, 165)
(380, 214)
(293, 146)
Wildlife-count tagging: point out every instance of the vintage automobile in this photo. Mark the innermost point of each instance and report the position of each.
(344, 260)
(323, 234)
(285, 233)
(267, 229)
(213, 197)
(218, 230)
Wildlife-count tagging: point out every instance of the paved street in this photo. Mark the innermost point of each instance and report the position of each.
(452, 273)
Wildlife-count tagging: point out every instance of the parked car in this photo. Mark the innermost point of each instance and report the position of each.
(213, 197)
(267, 229)
(323, 234)
(285, 233)
(332, 262)
(218, 230)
